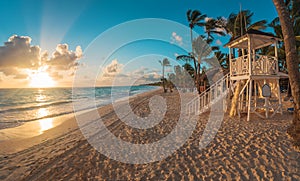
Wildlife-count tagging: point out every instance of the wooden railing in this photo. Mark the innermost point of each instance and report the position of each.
(260, 65)
(239, 66)
(211, 95)
(264, 65)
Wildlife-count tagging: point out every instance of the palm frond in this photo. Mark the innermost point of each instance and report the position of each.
(195, 14)
(259, 25)
(188, 15)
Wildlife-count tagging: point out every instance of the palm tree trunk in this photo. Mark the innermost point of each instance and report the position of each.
(191, 32)
(292, 65)
(195, 64)
(198, 78)
(163, 78)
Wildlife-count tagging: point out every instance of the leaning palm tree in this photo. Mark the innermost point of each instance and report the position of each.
(164, 63)
(292, 65)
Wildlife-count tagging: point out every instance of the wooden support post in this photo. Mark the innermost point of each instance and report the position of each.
(246, 98)
(255, 94)
(242, 101)
(279, 97)
(249, 55)
(230, 57)
(276, 55)
(266, 103)
(249, 103)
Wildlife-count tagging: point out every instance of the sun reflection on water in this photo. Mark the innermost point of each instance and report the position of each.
(47, 123)
(42, 112)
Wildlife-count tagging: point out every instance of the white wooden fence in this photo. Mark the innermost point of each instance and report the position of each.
(210, 96)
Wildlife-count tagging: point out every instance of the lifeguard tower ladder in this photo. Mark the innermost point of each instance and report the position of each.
(257, 74)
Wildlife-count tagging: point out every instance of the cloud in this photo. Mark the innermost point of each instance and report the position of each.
(117, 73)
(176, 38)
(140, 71)
(20, 76)
(144, 75)
(113, 69)
(65, 59)
(152, 77)
(218, 42)
(55, 75)
(18, 55)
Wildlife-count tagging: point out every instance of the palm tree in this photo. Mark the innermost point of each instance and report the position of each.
(223, 59)
(213, 26)
(189, 69)
(238, 24)
(195, 18)
(292, 65)
(201, 53)
(164, 63)
(293, 8)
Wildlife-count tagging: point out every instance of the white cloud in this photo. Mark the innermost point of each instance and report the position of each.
(116, 73)
(176, 38)
(113, 69)
(65, 59)
(152, 77)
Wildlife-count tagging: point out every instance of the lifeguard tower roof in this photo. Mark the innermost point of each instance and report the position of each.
(258, 40)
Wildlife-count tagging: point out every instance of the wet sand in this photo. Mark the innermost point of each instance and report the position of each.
(241, 150)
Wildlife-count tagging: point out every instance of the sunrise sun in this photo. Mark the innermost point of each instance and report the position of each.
(40, 80)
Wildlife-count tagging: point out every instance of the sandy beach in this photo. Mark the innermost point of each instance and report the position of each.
(241, 150)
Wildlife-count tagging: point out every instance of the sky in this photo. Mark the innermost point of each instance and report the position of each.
(64, 43)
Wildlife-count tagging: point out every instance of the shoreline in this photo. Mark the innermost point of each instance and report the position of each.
(28, 134)
(8, 125)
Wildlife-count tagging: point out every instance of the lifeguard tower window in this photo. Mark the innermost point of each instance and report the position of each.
(266, 90)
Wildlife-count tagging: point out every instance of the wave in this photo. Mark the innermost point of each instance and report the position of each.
(34, 107)
(85, 102)
(54, 115)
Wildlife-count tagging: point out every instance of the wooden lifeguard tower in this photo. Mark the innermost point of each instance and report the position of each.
(257, 74)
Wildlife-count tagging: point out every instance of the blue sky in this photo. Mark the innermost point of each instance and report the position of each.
(79, 23)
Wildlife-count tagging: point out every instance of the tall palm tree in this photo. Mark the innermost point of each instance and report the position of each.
(164, 63)
(213, 26)
(223, 59)
(238, 24)
(292, 65)
(293, 7)
(201, 53)
(189, 69)
(195, 18)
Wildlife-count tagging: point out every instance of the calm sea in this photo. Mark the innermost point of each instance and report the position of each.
(23, 105)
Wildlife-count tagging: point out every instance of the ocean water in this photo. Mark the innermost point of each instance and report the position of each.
(23, 105)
